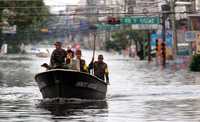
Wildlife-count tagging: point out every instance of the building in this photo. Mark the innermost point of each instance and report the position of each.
(197, 5)
(148, 7)
(142, 7)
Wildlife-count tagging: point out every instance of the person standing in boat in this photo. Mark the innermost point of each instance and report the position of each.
(100, 68)
(57, 59)
(80, 63)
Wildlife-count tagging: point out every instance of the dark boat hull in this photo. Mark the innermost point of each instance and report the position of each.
(60, 83)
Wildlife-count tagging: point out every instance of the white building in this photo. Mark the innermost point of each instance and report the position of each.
(198, 4)
(149, 7)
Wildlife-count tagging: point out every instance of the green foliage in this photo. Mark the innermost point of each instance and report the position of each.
(28, 16)
(13, 49)
(195, 63)
(136, 35)
(111, 45)
(25, 13)
(121, 40)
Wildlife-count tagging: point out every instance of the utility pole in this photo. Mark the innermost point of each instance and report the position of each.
(149, 47)
(92, 10)
(174, 31)
(165, 10)
(191, 8)
(129, 5)
(163, 38)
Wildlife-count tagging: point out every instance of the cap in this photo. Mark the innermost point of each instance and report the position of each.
(58, 43)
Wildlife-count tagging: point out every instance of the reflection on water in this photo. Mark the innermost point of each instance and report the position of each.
(14, 69)
(139, 92)
(173, 111)
(74, 108)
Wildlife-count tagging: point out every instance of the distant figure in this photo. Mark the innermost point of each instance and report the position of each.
(80, 63)
(100, 68)
(57, 59)
(4, 49)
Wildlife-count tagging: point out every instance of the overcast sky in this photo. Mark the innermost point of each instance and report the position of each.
(60, 2)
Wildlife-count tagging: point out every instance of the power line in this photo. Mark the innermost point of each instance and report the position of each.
(19, 0)
(67, 6)
(108, 13)
(77, 5)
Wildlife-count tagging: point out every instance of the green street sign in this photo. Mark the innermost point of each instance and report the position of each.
(107, 27)
(140, 20)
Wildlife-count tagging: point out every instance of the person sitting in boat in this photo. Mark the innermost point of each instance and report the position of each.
(57, 59)
(80, 63)
(100, 68)
(70, 61)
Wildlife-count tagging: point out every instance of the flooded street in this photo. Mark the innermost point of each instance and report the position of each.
(139, 92)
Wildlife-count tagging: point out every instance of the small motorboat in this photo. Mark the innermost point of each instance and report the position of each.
(65, 83)
(43, 53)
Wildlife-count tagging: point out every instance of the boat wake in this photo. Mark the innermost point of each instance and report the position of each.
(67, 100)
(72, 106)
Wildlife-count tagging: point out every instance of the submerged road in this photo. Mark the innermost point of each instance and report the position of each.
(139, 92)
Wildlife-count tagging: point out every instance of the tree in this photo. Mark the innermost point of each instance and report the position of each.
(123, 39)
(119, 41)
(26, 15)
(195, 63)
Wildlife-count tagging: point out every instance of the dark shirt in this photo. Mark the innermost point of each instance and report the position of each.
(58, 58)
(100, 70)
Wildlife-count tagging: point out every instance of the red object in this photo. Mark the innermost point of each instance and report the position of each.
(77, 46)
(113, 20)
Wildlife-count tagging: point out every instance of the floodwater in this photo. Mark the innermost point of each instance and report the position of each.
(139, 92)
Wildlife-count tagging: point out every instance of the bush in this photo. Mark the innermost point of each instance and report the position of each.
(13, 49)
(195, 63)
(111, 45)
